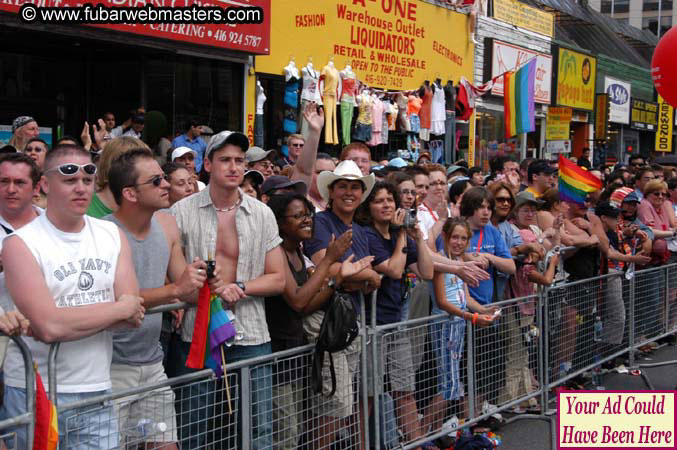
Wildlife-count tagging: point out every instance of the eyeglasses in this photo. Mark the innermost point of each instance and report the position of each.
(661, 194)
(156, 181)
(265, 164)
(296, 145)
(301, 216)
(70, 169)
(503, 200)
(407, 192)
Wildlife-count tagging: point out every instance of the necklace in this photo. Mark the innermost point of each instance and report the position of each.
(230, 208)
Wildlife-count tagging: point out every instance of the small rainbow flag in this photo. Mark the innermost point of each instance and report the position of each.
(212, 328)
(46, 436)
(518, 100)
(575, 183)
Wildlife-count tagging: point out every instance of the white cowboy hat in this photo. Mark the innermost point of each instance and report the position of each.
(346, 170)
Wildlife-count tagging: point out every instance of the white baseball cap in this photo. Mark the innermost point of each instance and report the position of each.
(180, 151)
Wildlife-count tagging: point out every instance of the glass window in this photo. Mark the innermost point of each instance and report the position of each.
(615, 6)
(651, 24)
(653, 5)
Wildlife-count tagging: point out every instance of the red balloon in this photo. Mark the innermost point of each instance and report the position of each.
(664, 67)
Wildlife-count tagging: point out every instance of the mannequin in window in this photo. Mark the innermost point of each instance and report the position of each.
(258, 118)
(310, 91)
(414, 103)
(362, 131)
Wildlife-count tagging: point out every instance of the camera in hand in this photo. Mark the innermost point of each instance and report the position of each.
(211, 267)
(410, 219)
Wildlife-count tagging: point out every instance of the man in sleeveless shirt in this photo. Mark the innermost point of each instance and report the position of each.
(140, 189)
(81, 284)
(242, 234)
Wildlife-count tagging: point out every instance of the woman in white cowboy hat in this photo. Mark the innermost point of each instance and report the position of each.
(344, 189)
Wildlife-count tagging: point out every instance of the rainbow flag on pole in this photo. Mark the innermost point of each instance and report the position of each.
(518, 100)
(46, 435)
(213, 327)
(575, 183)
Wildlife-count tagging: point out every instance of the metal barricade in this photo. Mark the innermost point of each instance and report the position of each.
(11, 429)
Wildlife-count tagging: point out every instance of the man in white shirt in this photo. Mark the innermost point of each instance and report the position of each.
(75, 267)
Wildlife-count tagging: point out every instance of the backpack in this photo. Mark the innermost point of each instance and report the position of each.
(338, 330)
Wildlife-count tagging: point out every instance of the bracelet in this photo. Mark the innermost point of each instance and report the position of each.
(474, 318)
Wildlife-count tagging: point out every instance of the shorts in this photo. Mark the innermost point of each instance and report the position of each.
(361, 132)
(156, 405)
(346, 364)
(448, 339)
(396, 359)
(91, 427)
(414, 123)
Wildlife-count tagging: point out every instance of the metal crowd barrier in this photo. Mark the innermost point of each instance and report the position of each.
(9, 426)
(410, 381)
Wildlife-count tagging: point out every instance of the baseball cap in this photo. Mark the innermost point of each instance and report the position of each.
(526, 197)
(255, 176)
(397, 162)
(607, 209)
(540, 166)
(220, 140)
(255, 154)
(138, 118)
(281, 182)
(453, 169)
(178, 152)
(632, 197)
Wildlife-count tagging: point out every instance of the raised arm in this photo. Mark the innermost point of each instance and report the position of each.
(305, 165)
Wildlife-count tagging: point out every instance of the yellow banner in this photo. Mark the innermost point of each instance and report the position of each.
(664, 129)
(390, 44)
(557, 123)
(576, 79)
(524, 16)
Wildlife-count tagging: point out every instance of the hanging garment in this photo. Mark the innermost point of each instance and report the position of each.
(291, 104)
(385, 124)
(376, 122)
(437, 115)
(426, 107)
(413, 108)
(329, 96)
(402, 116)
(310, 92)
(362, 130)
(348, 93)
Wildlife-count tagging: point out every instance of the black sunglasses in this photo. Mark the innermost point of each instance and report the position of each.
(70, 169)
(156, 181)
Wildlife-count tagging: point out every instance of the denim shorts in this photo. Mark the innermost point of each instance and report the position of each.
(414, 123)
(361, 132)
(92, 427)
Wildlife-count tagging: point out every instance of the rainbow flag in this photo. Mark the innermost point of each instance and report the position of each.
(518, 100)
(46, 436)
(575, 183)
(213, 327)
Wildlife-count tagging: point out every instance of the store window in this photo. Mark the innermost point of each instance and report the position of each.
(651, 24)
(615, 6)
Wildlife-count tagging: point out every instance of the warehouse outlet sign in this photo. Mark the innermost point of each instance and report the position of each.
(391, 44)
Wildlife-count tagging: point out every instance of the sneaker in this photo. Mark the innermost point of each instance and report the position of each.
(488, 408)
(451, 424)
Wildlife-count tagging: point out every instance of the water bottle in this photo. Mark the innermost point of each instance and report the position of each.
(598, 327)
(146, 428)
(597, 378)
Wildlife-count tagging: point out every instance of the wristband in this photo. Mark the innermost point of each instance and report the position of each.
(474, 318)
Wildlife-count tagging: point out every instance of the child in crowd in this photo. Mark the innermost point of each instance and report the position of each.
(451, 296)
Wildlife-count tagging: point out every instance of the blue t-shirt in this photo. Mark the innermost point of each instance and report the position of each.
(326, 224)
(492, 243)
(512, 238)
(390, 296)
(196, 144)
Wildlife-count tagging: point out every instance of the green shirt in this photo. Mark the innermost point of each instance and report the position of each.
(97, 209)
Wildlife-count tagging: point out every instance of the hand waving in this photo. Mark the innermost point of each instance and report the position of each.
(314, 116)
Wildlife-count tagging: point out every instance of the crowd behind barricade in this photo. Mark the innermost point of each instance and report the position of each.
(100, 229)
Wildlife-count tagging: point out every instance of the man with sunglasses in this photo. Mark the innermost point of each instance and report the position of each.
(72, 277)
(241, 235)
(295, 143)
(635, 162)
(140, 189)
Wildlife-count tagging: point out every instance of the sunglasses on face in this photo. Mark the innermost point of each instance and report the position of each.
(296, 145)
(661, 194)
(503, 200)
(71, 169)
(36, 149)
(156, 181)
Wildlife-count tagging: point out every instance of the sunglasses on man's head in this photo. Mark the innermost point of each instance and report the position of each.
(70, 169)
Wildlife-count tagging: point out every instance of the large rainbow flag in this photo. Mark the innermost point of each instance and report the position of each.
(46, 435)
(518, 100)
(575, 183)
(212, 328)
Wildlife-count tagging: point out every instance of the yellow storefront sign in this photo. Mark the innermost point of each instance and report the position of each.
(390, 44)
(664, 129)
(576, 79)
(557, 123)
(524, 16)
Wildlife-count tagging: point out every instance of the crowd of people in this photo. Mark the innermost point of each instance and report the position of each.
(100, 229)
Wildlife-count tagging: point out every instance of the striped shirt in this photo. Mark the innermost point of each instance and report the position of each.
(257, 234)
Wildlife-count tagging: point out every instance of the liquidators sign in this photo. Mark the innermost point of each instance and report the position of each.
(390, 44)
(575, 79)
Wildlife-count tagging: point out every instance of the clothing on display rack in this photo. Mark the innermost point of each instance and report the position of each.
(437, 115)
(258, 118)
(348, 94)
(402, 115)
(413, 109)
(436, 148)
(376, 121)
(362, 130)
(310, 92)
(291, 103)
(392, 115)
(426, 110)
(330, 92)
(449, 96)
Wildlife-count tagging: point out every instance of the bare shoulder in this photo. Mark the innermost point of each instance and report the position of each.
(168, 224)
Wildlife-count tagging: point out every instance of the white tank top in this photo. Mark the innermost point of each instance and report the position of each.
(79, 269)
